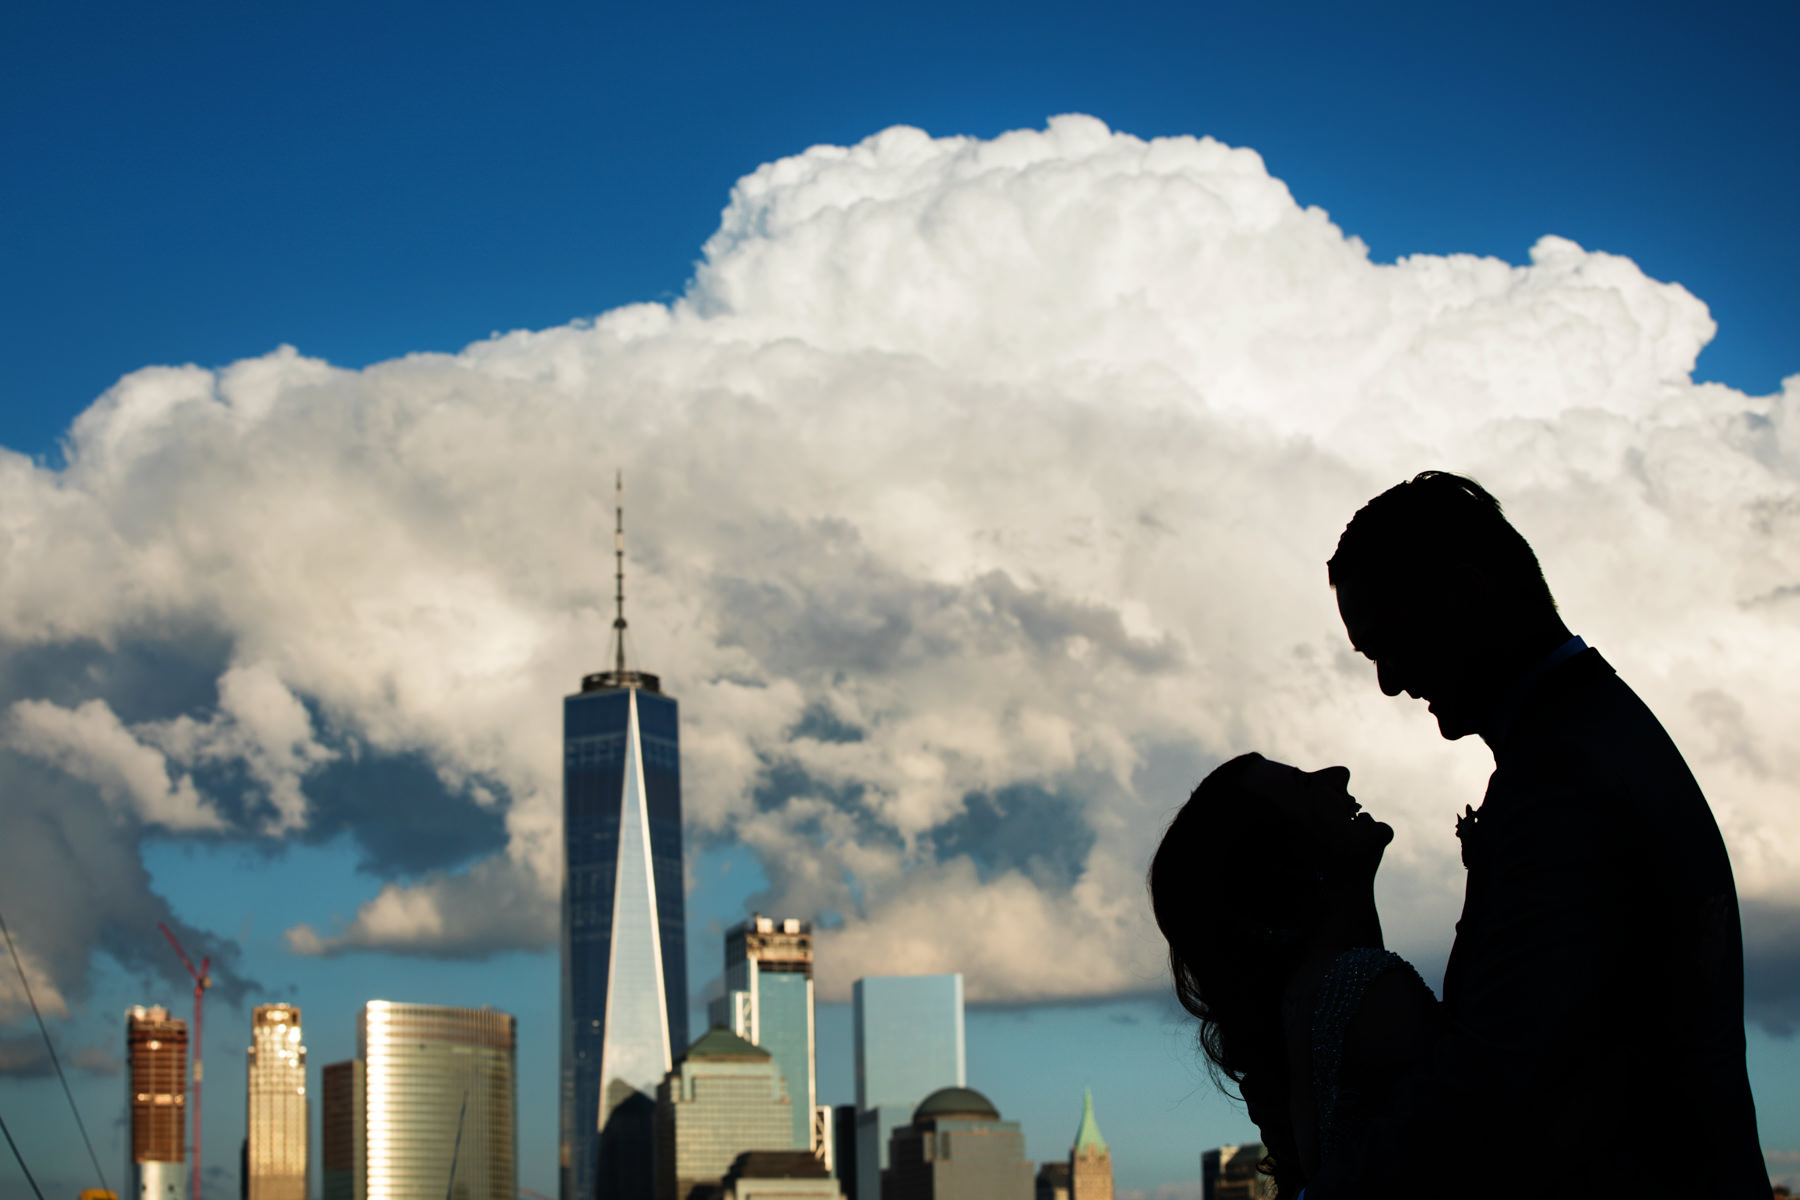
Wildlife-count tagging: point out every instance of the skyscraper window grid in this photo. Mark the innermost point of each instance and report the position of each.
(342, 1149)
(275, 1136)
(724, 1097)
(438, 1090)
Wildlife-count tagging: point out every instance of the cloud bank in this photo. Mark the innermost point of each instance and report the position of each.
(978, 499)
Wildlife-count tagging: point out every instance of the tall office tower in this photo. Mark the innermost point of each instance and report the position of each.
(156, 1096)
(275, 1106)
(438, 1102)
(343, 1151)
(769, 999)
(1090, 1162)
(1229, 1173)
(909, 1043)
(723, 1098)
(957, 1148)
(624, 941)
(843, 1151)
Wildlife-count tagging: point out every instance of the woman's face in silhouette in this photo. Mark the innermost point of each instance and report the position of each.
(1317, 810)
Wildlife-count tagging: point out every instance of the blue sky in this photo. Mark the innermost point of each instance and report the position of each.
(202, 185)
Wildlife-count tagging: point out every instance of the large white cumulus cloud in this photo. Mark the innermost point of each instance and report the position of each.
(980, 494)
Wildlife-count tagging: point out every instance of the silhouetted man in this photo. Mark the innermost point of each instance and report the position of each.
(1595, 991)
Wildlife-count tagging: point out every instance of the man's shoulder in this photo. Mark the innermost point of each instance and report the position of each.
(1595, 775)
(1588, 726)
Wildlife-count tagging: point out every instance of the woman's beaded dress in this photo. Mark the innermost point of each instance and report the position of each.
(1342, 1109)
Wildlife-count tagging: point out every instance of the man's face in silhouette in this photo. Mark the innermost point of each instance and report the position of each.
(1416, 649)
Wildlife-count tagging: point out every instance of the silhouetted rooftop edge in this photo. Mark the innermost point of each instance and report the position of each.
(603, 681)
(776, 1164)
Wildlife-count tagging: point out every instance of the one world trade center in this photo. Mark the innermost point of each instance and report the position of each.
(624, 944)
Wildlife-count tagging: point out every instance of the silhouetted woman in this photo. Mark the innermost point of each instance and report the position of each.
(1264, 888)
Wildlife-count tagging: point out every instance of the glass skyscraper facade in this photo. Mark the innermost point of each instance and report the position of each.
(909, 1043)
(275, 1106)
(624, 941)
(342, 1149)
(769, 1000)
(438, 1102)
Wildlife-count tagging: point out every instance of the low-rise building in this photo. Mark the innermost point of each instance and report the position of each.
(1229, 1173)
(724, 1096)
(957, 1148)
(779, 1175)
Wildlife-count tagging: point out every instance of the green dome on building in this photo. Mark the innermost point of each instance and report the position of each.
(955, 1102)
(719, 1044)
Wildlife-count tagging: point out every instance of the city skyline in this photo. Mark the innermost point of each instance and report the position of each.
(381, 1111)
(988, 405)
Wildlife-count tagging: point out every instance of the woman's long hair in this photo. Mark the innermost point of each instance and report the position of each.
(1235, 898)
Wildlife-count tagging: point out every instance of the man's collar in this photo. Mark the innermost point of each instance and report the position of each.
(1507, 711)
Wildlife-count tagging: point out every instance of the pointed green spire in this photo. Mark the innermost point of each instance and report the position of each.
(1089, 1133)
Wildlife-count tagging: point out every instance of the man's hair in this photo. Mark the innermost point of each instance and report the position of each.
(1440, 532)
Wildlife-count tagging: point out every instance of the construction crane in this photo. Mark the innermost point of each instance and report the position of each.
(202, 981)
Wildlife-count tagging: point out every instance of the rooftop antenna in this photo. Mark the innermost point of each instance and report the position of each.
(619, 563)
(619, 677)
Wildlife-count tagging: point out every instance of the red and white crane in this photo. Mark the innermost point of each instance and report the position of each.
(202, 981)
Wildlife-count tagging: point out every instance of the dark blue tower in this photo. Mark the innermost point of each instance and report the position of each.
(624, 936)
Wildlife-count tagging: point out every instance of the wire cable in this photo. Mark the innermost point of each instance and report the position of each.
(15, 1149)
(54, 1061)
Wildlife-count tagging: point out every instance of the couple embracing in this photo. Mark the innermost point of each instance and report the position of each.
(1590, 1039)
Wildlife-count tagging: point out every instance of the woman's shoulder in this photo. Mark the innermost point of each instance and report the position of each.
(1392, 1023)
(1345, 981)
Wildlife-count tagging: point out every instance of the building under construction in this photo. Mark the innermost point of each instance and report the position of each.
(156, 1047)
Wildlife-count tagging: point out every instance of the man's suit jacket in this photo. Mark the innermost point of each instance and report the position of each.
(1595, 992)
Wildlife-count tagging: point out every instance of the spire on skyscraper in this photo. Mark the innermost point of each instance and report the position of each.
(619, 676)
(1090, 1161)
(1088, 1135)
(619, 565)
